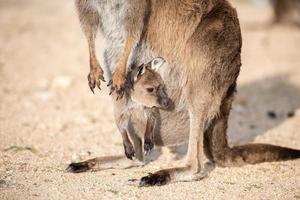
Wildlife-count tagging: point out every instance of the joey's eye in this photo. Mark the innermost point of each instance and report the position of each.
(150, 90)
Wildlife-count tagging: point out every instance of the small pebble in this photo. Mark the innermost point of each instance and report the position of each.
(62, 82)
(290, 114)
(2, 182)
(75, 158)
(252, 126)
(272, 114)
(132, 179)
(44, 95)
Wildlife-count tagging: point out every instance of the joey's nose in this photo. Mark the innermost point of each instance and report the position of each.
(165, 103)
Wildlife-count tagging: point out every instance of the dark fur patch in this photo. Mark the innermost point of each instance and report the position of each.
(158, 179)
(148, 145)
(78, 167)
(129, 151)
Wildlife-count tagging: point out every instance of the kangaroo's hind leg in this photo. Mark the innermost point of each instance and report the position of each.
(149, 133)
(112, 162)
(128, 147)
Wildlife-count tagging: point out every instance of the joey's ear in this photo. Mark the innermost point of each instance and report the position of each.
(156, 63)
(139, 71)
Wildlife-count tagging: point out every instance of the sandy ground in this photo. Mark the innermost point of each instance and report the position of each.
(48, 115)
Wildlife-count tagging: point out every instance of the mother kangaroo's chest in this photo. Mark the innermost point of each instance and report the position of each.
(113, 14)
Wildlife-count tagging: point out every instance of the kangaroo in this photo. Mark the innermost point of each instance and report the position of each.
(287, 11)
(146, 96)
(201, 42)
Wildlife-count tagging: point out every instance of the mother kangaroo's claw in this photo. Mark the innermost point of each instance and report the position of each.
(94, 78)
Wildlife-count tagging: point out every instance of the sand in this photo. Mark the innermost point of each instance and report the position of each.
(48, 116)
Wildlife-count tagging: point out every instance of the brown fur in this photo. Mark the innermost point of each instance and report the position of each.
(201, 42)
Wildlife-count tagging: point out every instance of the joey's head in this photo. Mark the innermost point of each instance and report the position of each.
(148, 88)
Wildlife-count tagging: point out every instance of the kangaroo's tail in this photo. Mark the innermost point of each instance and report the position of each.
(256, 153)
(218, 150)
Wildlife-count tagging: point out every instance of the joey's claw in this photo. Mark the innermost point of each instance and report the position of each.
(129, 151)
(148, 146)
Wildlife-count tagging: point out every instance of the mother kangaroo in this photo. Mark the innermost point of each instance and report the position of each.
(201, 42)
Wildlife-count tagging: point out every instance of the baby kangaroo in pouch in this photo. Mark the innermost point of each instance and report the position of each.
(146, 95)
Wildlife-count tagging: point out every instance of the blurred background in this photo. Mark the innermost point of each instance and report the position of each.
(48, 116)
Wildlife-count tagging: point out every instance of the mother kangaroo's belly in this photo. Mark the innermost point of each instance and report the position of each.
(173, 128)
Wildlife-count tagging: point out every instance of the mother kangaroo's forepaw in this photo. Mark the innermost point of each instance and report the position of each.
(78, 167)
(119, 90)
(94, 78)
(159, 178)
(118, 84)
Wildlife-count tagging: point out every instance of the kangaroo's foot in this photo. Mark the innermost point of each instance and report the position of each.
(148, 145)
(166, 176)
(129, 151)
(95, 76)
(80, 166)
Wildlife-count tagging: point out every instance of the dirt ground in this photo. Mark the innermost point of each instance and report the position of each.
(48, 116)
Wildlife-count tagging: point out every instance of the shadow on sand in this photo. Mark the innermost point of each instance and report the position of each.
(261, 106)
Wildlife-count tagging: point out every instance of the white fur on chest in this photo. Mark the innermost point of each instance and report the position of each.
(112, 17)
(112, 14)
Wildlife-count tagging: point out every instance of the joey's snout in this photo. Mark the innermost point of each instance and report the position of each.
(163, 100)
(165, 103)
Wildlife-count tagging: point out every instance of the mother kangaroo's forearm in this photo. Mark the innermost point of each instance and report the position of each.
(90, 22)
(130, 15)
(121, 23)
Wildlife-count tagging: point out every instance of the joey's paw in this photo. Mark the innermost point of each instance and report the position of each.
(159, 178)
(78, 167)
(118, 84)
(148, 145)
(95, 76)
(129, 151)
